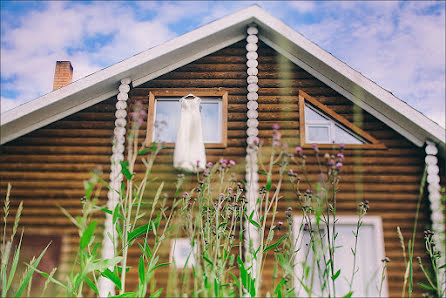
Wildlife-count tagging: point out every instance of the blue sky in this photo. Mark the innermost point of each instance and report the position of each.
(399, 45)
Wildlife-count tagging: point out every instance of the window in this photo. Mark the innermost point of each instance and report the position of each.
(321, 129)
(164, 116)
(319, 124)
(370, 252)
(181, 252)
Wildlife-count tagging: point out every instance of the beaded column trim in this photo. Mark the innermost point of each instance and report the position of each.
(437, 218)
(105, 286)
(252, 177)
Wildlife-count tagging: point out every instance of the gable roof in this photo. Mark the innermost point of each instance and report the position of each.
(208, 39)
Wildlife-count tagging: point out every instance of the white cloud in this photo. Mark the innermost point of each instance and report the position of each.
(397, 46)
(59, 32)
(303, 6)
(7, 104)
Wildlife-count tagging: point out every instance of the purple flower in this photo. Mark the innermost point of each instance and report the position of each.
(186, 194)
(299, 151)
(276, 143)
(134, 115)
(279, 226)
(276, 126)
(256, 141)
(209, 165)
(231, 163)
(291, 173)
(224, 162)
(142, 113)
(340, 156)
(339, 165)
(315, 147)
(341, 146)
(198, 163)
(140, 121)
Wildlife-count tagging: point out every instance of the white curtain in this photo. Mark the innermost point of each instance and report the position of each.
(189, 154)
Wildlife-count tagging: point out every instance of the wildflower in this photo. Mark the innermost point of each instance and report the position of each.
(231, 163)
(279, 225)
(186, 195)
(209, 164)
(299, 151)
(339, 165)
(341, 146)
(385, 260)
(142, 113)
(340, 156)
(364, 205)
(288, 212)
(134, 115)
(276, 143)
(277, 249)
(256, 141)
(291, 173)
(223, 163)
(198, 163)
(306, 228)
(205, 173)
(276, 126)
(140, 121)
(331, 163)
(315, 147)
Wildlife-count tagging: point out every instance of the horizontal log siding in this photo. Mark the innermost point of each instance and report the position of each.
(388, 178)
(47, 168)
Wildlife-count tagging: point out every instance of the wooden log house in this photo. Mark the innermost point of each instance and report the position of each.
(260, 72)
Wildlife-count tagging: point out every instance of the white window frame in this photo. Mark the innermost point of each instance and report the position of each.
(330, 123)
(374, 221)
(204, 100)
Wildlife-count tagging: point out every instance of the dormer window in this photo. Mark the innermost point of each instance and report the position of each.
(321, 125)
(323, 130)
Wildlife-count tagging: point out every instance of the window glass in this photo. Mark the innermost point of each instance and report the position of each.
(368, 255)
(167, 117)
(167, 120)
(311, 114)
(342, 136)
(323, 130)
(318, 133)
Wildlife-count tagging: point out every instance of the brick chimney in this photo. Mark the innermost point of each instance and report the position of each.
(63, 74)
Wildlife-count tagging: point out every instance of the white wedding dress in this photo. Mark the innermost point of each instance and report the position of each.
(189, 154)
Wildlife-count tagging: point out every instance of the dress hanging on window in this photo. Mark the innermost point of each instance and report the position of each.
(189, 154)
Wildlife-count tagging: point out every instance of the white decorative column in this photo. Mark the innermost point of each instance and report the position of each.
(437, 218)
(252, 177)
(105, 285)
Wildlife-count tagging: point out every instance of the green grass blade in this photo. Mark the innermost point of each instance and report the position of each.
(15, 261)
(29, 273)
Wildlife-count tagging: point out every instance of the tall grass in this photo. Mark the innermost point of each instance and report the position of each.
(213, 216)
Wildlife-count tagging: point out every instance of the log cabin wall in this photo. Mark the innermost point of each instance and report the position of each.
(47, 168)
(388, 178)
